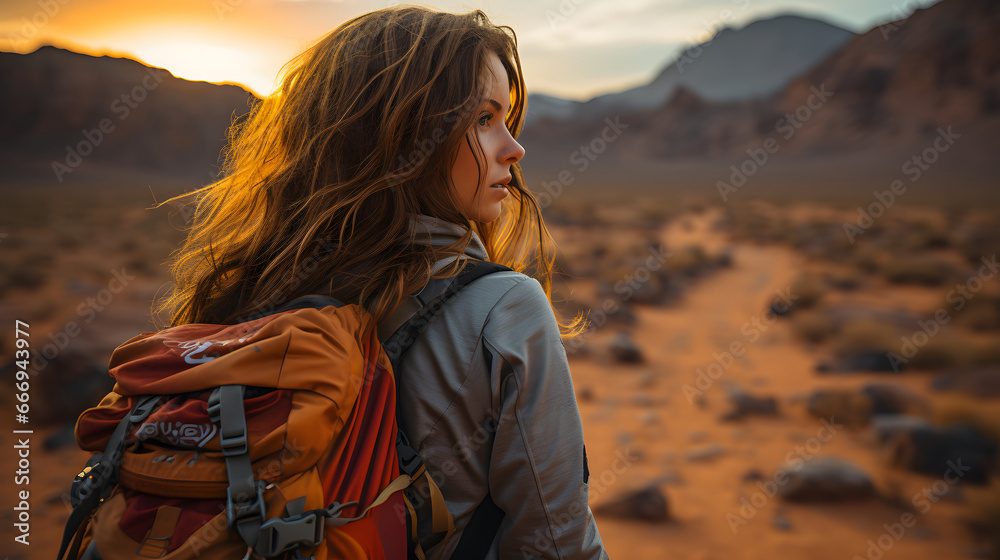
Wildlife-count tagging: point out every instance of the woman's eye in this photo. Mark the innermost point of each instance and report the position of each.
(486, 116)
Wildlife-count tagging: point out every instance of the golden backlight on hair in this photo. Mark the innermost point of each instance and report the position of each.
(321, 177)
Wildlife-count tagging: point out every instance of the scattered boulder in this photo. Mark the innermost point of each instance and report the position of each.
(864, 360)
(845, 406)
(884, 427)
(976, 382)
(625, 350)
(827, 479)
(746, 404)
(645, 504)
(893, 398)
(933, 450)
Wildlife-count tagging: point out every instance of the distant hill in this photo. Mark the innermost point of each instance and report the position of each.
(53, 103)
(852, 119)
(736, 64)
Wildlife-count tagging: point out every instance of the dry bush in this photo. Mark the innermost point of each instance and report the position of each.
(920, 269)
(812, 327)
(859, 337)
(982, 515)
(981, 313)
(982, 416)
(809, 288)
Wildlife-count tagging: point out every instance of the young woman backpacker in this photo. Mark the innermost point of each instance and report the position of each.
(384, 165)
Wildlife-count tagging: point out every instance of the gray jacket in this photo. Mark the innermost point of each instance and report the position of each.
(486, 398)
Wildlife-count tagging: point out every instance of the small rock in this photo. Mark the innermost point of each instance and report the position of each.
(697, 436)
(642, 399)
(671, 477)
(585, 395)
(892, 398)
(884, 427)
(753, 475)
(705, 452)
(647, 379)
(958, 450)
(649, 418)
(977, 382)
(646, 504)
(845, 406)
(625, 350)
(827, 479)
(745, 404)
(781, 522)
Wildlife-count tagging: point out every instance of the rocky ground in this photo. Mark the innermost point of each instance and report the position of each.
(713, 427)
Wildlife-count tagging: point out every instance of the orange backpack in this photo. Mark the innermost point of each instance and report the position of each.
(271, 438)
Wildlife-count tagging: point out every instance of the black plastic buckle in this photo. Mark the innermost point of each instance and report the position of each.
(236, 513)
(280, 535)
(409, 460)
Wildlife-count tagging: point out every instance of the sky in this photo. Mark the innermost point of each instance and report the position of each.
(575, 49)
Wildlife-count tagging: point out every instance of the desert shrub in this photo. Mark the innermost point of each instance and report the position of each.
(981, 313)
(977, 240)
(812, 327)
(809, 288)
(860, 337)
(689, 260)
(870, 259)
(946, 350)
(982, 416)
(922, 270)
(22, 276)
(982, 515)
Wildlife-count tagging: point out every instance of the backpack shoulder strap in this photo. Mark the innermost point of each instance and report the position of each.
(403, 327)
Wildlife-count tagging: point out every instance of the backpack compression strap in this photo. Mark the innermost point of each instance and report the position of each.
(96, 482)
(245, 508)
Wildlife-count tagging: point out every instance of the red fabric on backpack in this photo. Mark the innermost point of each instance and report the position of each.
(332, 410)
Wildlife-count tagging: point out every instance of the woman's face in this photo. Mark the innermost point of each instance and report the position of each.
(480, 200)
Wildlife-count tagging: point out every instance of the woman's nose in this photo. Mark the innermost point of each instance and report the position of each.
(512, 151)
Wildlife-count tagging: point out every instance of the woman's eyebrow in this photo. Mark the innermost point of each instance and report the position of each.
(495, 105)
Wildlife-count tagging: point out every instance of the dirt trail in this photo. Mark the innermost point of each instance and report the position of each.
(644, 410)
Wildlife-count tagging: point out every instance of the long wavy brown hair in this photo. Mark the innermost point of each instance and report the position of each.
(320, 178)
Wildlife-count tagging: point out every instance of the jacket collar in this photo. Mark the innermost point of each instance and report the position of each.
(436, 232)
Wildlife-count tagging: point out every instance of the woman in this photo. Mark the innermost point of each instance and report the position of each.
(382, 164)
